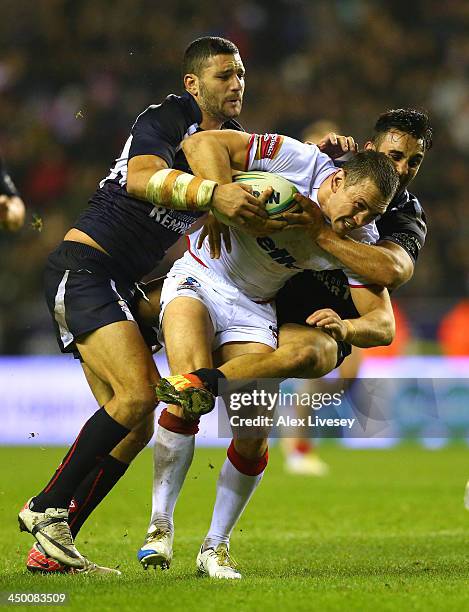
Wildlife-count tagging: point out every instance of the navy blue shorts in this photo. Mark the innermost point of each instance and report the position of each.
(84, 292)
(302, 295)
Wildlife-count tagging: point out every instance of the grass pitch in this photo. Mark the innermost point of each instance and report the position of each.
(385, 531)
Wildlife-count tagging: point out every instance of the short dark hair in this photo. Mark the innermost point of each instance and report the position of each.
(375, 166)
(198, 52)
(408, 120)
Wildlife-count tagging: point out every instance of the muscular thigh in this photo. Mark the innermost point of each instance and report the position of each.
(118, 356)
(188, 335)
(230, 350)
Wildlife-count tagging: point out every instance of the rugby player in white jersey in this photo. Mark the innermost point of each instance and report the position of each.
(226, 305)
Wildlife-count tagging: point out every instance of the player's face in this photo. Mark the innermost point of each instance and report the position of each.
(221, 87)
(354, 206)
(405, 151)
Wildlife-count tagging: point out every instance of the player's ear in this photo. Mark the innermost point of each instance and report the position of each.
(369, 146)
(337, 180)
(191, 84)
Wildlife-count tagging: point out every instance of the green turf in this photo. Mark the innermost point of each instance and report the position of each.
(385, 531)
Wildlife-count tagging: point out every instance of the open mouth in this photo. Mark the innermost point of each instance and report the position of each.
(348, 224)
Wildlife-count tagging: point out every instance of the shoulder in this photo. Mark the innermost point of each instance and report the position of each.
(174, 110)
(406, 203)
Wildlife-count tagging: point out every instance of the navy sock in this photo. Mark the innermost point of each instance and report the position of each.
(100, 434)
(93, 489)
(210, 378)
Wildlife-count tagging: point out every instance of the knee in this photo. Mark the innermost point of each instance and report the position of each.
(137, 402)
(312, 360)
(251, 448)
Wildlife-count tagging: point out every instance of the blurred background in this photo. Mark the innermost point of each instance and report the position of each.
(74, 75)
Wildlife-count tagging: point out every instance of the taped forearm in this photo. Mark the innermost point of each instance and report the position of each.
(179, 190)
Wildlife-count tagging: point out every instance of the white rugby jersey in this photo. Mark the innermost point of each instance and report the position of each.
(259, 267)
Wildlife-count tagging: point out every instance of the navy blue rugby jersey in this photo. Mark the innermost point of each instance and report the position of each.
(403, 223)
(7, 187)
(134, 232)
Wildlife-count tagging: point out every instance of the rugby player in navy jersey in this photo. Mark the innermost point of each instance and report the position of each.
(12, 209)
(404, 135)
(140, 209)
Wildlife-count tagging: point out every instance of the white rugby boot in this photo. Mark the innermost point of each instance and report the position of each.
(305, 464)
(217, 563)
(52, 531)
(157, 549)
(39, 562)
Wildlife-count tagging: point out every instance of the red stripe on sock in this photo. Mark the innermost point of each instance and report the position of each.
(176, 424)
(64, 464)
(250, 467)
(89, 496)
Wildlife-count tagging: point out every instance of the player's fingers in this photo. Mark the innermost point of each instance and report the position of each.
(297, 219)
(343, 143)
(352, 145)
(319, 315)
(332, 136)
(252, 208)
(214, 241)
(273, 225)
(225, 230)
(265, 195)
(327, 322)
(203, 234)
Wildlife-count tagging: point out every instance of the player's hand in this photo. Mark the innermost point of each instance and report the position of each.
(12, 213)
(215, 229)
(328, 320)
(310, 218)
(264, 227)
(336, 145)
(236, 202)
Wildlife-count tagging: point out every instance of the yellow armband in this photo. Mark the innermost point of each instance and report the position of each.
(179, 190)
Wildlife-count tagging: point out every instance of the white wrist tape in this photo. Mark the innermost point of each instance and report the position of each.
(179, 190)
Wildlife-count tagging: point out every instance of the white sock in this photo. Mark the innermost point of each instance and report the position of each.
(234, 490)
(172, 457)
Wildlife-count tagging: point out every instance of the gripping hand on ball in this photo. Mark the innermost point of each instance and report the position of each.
(310, 218)
(237, 204)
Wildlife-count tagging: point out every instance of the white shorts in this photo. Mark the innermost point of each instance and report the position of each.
(234, 316)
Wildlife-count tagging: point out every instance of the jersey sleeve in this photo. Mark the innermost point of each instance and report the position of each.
(159, 130)
(277, 154)
(406, 227)
(7, 187)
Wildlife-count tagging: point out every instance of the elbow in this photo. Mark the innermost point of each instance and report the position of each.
(398, 274)
(191, 143)
(131, 186)
(388, 331)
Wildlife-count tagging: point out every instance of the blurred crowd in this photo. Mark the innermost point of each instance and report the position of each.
(74, 75)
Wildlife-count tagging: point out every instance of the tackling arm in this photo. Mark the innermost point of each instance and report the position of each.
(376, 325)
(214, 153)
(385, 264)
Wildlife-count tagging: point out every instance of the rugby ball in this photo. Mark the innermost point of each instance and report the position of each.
(281, 201)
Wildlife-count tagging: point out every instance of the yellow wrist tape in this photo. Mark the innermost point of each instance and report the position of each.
(179, 190)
